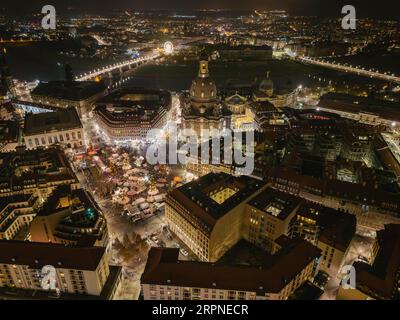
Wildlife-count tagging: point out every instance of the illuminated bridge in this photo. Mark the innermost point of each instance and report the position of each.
(18, 41)
(137, 61)
(375, 74)
(120, 65)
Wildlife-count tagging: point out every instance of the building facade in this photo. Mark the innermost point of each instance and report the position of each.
(166, 278)
(16, 213)
(80, 271)
(69, 217)
(36, 172)
(199, 212)
(62, 127)
(203, 111)
(130, 114)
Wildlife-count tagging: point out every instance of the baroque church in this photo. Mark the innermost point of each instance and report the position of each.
(203, 109)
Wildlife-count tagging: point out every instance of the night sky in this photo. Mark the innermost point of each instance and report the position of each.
(377, 9)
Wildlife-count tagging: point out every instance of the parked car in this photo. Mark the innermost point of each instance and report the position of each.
(362, 259)
(321, 279)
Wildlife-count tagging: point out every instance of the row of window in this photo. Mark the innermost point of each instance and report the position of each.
(55, 139)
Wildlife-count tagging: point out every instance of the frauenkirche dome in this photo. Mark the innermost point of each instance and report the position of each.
(203, 90)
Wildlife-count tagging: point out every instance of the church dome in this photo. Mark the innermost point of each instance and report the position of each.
(203, 89)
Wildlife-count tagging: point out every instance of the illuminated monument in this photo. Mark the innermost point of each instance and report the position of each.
(203, 110)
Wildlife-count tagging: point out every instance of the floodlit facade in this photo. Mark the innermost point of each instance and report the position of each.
(81, 271)
(69, 217)
(131, 113)
(166, 278)
(199, 212)
(62, 127)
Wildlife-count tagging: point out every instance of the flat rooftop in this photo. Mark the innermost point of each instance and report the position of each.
(136, 99)
(61, 119)
(163, 268)
(275, 203)
(9, 131)
(74, 91)
(199, 197)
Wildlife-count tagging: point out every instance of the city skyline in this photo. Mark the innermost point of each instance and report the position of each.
(238, 155)
(332, 8)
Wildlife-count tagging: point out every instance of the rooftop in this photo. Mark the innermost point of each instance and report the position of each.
(9, 131)
(355, 104)
(136, 100)
(337, 228)
(62, 119)
(36, 255)
(133, 105)
(275, 203)
(163, 268)
(27, 167)
(338, 189)
(197, 197)
(380, 280)
(74, 91)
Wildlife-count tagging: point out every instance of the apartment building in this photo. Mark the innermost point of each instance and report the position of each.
(330, 230)
(167, 278)
(36, 172)
(379, 279)
(199, 212)
(80, 271)
(69, 217)
(268, 216)
(16, 213)
(62, 127)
